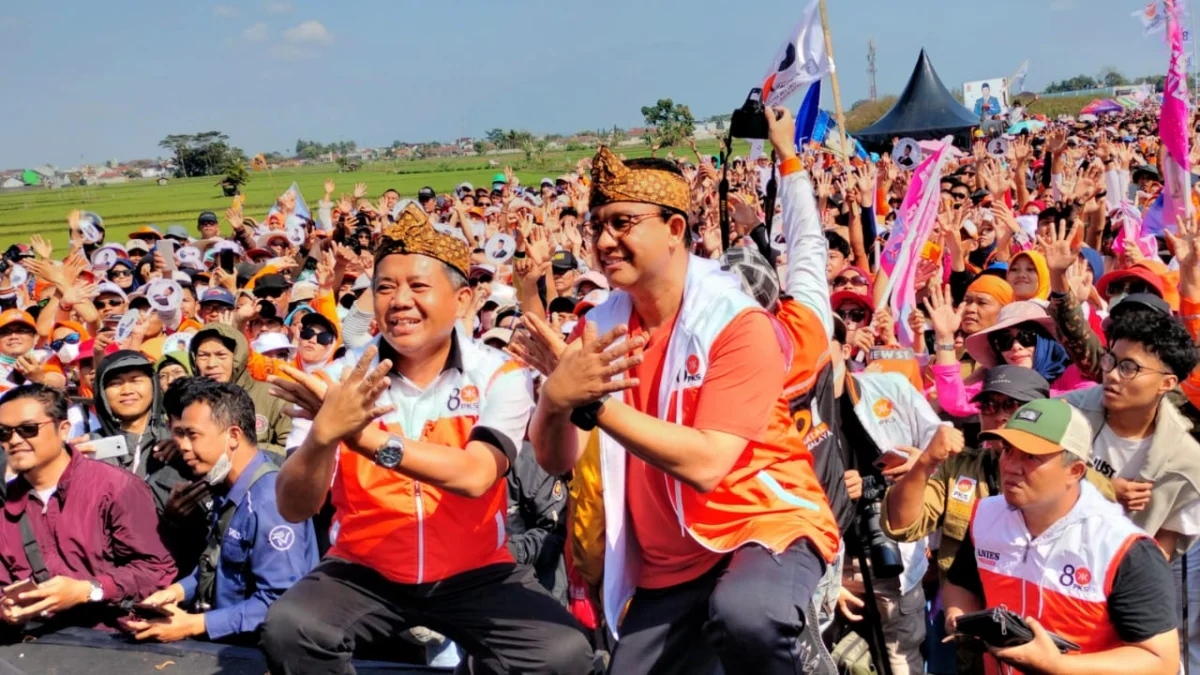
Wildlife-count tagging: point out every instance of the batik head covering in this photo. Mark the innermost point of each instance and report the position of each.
(412, 234)
(614, 181)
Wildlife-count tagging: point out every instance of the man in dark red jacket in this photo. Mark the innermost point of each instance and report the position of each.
(94, 526)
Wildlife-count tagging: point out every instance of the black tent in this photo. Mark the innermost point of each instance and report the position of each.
(925, 110)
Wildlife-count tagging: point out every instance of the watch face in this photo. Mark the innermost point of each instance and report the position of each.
(388, 456)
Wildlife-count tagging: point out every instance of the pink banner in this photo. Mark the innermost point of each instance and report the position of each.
(1173, 128)
(914, 223)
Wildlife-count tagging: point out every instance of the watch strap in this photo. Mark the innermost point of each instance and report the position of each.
(587, 416)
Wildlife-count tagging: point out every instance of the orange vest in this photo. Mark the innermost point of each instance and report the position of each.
(408, 531)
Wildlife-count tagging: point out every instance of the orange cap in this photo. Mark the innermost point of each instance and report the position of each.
(11, 316)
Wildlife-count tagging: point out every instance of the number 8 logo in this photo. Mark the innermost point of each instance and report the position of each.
(454, 401)
(1068, 576)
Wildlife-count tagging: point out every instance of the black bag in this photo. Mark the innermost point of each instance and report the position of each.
(206, 579)
(1000, 628)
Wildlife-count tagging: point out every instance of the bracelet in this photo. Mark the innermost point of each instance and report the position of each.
(944, 347)
(519, 254)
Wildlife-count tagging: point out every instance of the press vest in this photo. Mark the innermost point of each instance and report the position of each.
(408, 531)
(1062, 577)
(771, 497)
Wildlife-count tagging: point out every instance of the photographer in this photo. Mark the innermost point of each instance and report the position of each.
(879, 412)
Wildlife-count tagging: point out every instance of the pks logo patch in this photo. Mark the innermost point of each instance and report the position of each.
(466, 397)
(260, 424)
(1075, 577)
(883, 408)
(691, 369)
(964, 489)
(469, 394)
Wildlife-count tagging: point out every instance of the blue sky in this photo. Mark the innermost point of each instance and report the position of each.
(92, 81)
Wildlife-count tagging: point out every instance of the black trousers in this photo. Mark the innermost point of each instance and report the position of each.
(499, 614)
(747, 614)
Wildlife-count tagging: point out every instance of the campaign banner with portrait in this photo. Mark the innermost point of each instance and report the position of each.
(986, 98)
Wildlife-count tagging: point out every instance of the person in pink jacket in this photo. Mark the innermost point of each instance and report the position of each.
(1023, 335)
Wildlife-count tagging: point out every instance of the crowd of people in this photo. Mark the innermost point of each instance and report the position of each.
(569, 429)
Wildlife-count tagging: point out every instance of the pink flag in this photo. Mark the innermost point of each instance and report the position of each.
(914, 223)
(1173, 128)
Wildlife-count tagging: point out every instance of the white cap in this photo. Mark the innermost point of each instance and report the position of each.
(110, 287)
(270, 342)
(137, 245)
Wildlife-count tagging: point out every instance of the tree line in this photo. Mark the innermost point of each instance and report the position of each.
(1108, 77)
(207, 153)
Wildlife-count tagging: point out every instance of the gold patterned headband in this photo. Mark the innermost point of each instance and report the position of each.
(412, 234)
(614, 181)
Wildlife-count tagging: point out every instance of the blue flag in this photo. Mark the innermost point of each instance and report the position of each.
(820, 127)
(806, 117)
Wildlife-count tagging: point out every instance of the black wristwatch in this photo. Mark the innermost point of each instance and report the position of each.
(390, 455)
(586, 417)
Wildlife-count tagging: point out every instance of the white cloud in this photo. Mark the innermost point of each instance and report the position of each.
(256, 33)
(313, 32)
(278, 7)
(225, 10)
(288, 52)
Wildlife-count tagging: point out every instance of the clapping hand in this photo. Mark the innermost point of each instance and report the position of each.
(589, 368)
(342, 409)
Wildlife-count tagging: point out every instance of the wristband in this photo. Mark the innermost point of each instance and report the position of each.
(519, 254)
(944, 347)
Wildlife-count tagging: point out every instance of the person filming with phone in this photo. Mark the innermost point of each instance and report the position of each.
(77, 536)
(1054, 552)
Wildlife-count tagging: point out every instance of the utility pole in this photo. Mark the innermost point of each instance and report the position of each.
(871, 66)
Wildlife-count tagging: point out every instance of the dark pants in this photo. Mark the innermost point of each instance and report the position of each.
(747, 614)
(498, 614)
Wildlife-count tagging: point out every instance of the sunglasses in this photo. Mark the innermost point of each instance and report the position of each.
(856, 314)
(856, 280)
(27, 431)
(123, 272)
(105, 304)
(268, 294)
(1003, 341)
(1129, 287)
(72, 339)
(991, 406)
(323, 338)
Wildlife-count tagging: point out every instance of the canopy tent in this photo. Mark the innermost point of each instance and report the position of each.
(1128, 102)
(925, 110)
(1101, 107)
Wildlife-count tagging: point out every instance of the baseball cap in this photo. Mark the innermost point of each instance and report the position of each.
(1016, 382)
(1047, 426)
(137, 245)
(11, 316)
(499, 178)
(177, 232)
(836, 300)
(1141, 301)
(593, 277)
(759, 278)
(146, 232)
(272, 342)
(303, 291)
(218, 295)
(561, 304)
(563, 261)
(267, 237)
(501, 335)
(271, 282)
(108, 287)
(482, 269)
(592, 299)
(314, 318)
(547, 181)
(207, 217)
(426, 193)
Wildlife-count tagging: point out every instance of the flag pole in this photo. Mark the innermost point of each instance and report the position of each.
(837, 92)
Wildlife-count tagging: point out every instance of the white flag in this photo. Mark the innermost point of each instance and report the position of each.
(1153, 17)
(801, 61)
(1016, 83)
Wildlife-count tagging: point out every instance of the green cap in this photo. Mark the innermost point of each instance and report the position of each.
(1047, 426)
(499, 178)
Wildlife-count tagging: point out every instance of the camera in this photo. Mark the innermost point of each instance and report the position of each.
(15, 253)
(886, 560)
(749, 121)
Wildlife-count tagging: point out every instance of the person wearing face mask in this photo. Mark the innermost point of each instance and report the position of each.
(253, 555)
(1022, 336)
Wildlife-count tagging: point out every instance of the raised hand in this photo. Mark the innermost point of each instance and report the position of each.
(41, 247)
(1186, 244)
(1058, 249)
(329, 188)
(360, 190)
(944, 318)
(587, 369)
(342, 409)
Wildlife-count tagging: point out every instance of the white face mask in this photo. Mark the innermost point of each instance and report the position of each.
(220, 470)
(68, 352)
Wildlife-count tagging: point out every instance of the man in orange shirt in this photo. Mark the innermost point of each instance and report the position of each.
(413, 456)
(716, 537)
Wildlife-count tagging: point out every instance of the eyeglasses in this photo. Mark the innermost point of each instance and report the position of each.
(323, 338)
(72, 339)
(475, 281)
(1126, 368)
(618, 226)
(268, 293)
(122, 272)
(27, 430)
(1129, 287)
(855, 314)
(1003, 341)
(991, 406)
(105, 304)
(856, 280)
(959, 196)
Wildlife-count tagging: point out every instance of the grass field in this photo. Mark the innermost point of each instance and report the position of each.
(129, 206)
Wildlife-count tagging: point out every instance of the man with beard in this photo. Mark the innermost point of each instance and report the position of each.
(414, 455)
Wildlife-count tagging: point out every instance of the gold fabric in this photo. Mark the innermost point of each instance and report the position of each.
(613, 181)
(412, 234)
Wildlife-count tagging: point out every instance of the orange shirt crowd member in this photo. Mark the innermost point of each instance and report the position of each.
(717, 531)
(413, 454)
